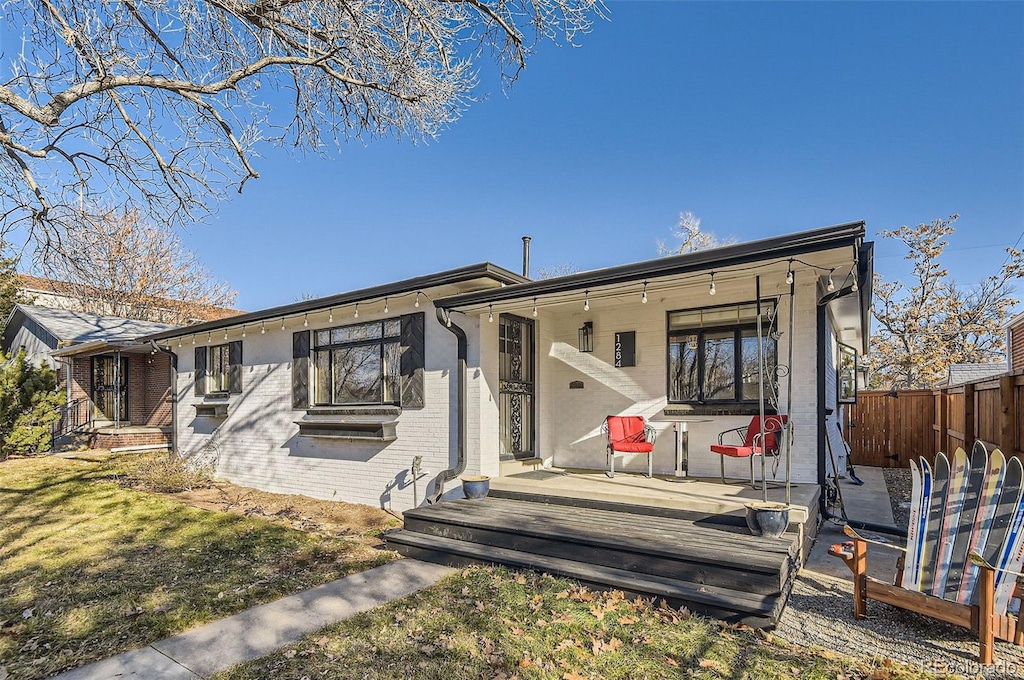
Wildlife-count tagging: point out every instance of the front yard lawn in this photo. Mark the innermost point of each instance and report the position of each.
(90, 568)
(495, 623)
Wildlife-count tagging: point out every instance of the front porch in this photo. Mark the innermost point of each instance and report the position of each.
(681, 540)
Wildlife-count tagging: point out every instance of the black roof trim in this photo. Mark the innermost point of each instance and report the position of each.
(475, 271)
(789, 245)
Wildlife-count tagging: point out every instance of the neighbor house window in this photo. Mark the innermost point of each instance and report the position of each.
(217, 369)
(712, 353)
(358, 364)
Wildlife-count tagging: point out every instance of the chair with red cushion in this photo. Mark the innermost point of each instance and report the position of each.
(752, 445)
(630, 436)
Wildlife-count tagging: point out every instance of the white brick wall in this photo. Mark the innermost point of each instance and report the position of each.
(258, 443)
(569, 421)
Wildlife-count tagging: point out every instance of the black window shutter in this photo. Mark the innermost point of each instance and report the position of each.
(235, 367)
(413, 360)
(200, 382)
(300, 369)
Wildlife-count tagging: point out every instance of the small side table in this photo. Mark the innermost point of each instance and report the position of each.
(682, 429)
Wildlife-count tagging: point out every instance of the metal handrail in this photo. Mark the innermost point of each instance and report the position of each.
(74, 415)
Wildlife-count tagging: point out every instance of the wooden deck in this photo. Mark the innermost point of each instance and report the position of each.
(707, 563)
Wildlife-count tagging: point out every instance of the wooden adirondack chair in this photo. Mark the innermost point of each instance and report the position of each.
(957, 579)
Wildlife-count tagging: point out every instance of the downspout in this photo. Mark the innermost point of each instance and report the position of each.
(822, 338)
(174, 392)
(448, 475)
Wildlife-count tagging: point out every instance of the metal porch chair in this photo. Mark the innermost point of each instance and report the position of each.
(752, 446)
(630, 436)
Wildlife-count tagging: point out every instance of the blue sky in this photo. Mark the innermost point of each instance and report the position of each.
(761, 118)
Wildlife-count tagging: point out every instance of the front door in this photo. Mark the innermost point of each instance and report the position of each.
(516, 376)
(109, 398)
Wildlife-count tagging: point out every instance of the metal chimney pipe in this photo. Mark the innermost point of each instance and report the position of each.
(526, 257)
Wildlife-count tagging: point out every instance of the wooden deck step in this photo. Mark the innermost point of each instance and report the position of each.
(707, 564)
(727, 605)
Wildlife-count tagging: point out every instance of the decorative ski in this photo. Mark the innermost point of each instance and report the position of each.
(936, 510)
(1005, 514)
(922, 525)
(987, 504)
(962, 541)
(958, 476)
(1011, 557)
(913, 527)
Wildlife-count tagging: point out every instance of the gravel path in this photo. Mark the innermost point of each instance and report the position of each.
(820, 615)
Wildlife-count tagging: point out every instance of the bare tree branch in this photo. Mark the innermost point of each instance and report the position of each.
(159, 104)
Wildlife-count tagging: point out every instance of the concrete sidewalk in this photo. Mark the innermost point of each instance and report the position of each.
(261, 630)
(867, 503)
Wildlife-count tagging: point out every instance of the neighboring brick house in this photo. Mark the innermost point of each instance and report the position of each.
(1015, 343)
(57, 294)
(366, 396)
(118, 390)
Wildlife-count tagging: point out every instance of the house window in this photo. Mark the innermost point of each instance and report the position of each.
(358, 364)
(217, 370)
(712, 354)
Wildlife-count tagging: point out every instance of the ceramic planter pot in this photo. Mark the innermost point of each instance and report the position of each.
(476, 486)
(767, 519)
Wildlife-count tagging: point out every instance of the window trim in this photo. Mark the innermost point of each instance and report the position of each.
(737, 330)
(380, 342)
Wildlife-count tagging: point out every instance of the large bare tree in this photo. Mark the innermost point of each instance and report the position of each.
(933, 321)
(122, 266)
(160, 103)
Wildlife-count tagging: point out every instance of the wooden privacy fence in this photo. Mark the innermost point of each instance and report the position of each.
(887, 431)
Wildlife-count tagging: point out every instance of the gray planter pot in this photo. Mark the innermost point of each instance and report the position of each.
(476, 486)
(767, 519)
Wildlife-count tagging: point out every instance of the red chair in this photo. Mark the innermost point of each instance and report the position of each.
(751, 446)
(629, 435)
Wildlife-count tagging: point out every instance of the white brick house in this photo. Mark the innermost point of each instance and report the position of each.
(289, 405)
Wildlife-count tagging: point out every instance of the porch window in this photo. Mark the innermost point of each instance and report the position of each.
(712, 353)
(218, 366)
(358, 364)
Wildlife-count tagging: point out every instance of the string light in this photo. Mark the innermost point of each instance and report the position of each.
(711, 288)
(305, 320)
(534, 307)
(831, 284)
(282, 323)
(854, 287)
(263, 327)
(385, 305)
(356, 315)
(417, 300)
(193, 339)
(490, 313)
(225, 334)
(209, 337)
(243, 330)
(586, 301)
(789, 274)
(643, 297)
(179, 342)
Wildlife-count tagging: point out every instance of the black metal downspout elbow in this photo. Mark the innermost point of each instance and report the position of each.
(462, 343)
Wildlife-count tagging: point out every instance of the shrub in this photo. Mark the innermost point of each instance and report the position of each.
(29, 406)
(173, 473)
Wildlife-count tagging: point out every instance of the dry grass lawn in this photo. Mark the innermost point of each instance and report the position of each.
(90, 566)
(498, 624)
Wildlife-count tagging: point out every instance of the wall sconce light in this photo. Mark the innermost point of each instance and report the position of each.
(587, 336)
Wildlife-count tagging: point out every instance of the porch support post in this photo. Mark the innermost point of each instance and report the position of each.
(117, 390)
(789, 394)
(760, 389)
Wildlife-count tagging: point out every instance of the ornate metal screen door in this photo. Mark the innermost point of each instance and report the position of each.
(515, 386)
(107, 396)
